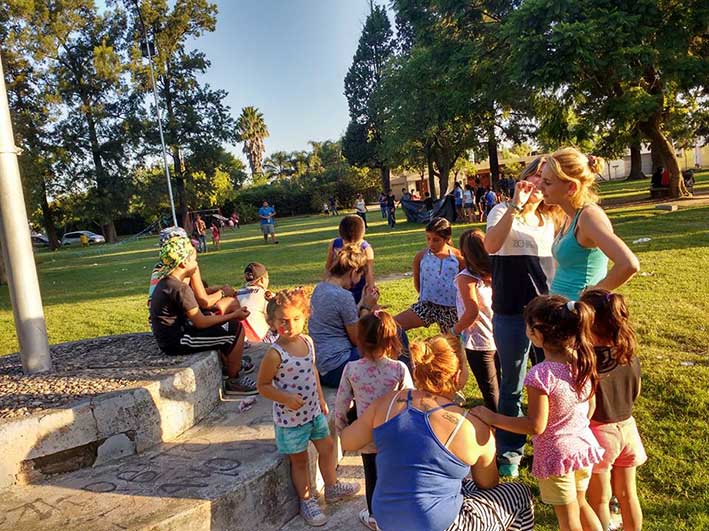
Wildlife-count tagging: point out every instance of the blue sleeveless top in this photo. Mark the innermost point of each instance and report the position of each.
(419, 479)
(357, 289)
(437, 277)
(577, 266)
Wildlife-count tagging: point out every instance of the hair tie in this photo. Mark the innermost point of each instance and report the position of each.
(571, 306)
(591, 161)
(609, 296)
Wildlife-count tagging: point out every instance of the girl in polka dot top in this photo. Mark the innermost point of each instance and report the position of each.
(288, 377)
(560, 396)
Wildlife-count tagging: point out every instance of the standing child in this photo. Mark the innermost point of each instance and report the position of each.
(612, 422)
(560, 401)
(216, 236)
(352, 232)
(435, 269)
(474, 305)
(374, 375)
(288, 377)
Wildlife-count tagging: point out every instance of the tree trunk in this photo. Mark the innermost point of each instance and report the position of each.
(636, 164)
(385, 173)
(49, 226)
(431, 174)
(444, 169)
(492, 156)
(655, 156)
(651, 128)
(174, 146)
(109, 229)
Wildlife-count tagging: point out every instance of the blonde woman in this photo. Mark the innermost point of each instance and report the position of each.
(586, 240)
(427, 446)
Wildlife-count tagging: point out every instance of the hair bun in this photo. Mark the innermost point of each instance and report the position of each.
(595, 164)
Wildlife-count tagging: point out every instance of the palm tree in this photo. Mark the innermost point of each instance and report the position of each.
(251, 130)
(278, 165)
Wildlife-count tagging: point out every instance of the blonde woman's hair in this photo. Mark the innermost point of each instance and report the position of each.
(572, 166)
(436, 362)
(350, 258)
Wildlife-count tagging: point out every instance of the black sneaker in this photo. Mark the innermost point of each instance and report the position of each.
(240, 386)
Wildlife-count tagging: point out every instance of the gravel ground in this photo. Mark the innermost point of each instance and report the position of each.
(82, 369)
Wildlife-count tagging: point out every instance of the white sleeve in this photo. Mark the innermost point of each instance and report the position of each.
(495, 215)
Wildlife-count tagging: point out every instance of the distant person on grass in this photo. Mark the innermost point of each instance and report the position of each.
(586, 240)
(352, 232)
(268, 226)
(200, 229)
(391, 209)
(361, 209)
(180, 327)
(288, 377)
(216, 236)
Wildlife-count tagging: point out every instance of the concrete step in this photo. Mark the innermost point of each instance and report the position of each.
(158, 404)
(222, 474)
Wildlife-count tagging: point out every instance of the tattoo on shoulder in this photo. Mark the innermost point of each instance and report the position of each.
(450, 417)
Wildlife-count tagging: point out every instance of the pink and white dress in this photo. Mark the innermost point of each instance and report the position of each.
(567, 444)
(364, 381)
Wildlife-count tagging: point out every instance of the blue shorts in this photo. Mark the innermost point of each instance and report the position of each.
(295, 440)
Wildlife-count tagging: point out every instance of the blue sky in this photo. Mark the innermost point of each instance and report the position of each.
(288, 58)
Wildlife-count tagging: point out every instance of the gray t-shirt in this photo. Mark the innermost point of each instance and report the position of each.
(332, 308)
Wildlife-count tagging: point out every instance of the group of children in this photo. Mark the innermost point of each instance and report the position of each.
(580, 398)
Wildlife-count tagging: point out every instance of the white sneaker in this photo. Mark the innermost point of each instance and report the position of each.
(311, 513)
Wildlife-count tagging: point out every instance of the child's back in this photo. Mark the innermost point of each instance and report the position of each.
(567, 443)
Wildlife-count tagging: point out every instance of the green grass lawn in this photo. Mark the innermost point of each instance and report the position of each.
(102, 290)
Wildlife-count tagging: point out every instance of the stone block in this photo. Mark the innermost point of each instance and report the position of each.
(669, 208)
(63, 429)
(115, 447)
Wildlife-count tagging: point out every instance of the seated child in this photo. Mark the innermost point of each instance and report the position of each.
(375, 374)
(180, 327)
(288, 377)
(254, 296)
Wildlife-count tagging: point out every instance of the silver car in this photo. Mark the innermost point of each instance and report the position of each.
(71, 238)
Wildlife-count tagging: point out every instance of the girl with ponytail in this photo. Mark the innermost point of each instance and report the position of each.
(560, 396)
(612, 422)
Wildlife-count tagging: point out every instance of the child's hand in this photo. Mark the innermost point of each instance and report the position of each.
(482, 413)
(228, 290)
(241, 313)
(325, 409)
(294, 402)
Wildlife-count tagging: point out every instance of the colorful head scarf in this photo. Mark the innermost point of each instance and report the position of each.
(174, 251)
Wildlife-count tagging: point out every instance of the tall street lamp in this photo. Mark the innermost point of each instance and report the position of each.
(148, 50)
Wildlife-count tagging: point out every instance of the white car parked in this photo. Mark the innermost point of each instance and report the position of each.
(75, 237)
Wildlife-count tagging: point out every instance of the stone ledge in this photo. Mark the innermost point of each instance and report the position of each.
(107, 426)
(222, 474)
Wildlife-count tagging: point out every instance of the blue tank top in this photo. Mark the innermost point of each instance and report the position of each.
(577, 266)
(419, 479)
(437, 276)
(357, 289)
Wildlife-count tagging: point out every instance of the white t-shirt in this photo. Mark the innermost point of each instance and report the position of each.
(254, 298)
(360, 206)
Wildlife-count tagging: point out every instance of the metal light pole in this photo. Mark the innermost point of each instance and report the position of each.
(157, 111)
(17, 252)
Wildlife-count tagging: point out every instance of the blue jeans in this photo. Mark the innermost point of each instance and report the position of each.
(384, 211)
(513, 350)
(391, 217)
(332, 378)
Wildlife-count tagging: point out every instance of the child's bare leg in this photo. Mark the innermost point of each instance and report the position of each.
(624, 487)
(408, 320)
(568, 517)
(233, 361)
(299, 474)
(589, 520)
(599, 496)
(327, 462)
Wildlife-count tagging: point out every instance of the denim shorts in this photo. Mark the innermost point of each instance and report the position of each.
(295, 440)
